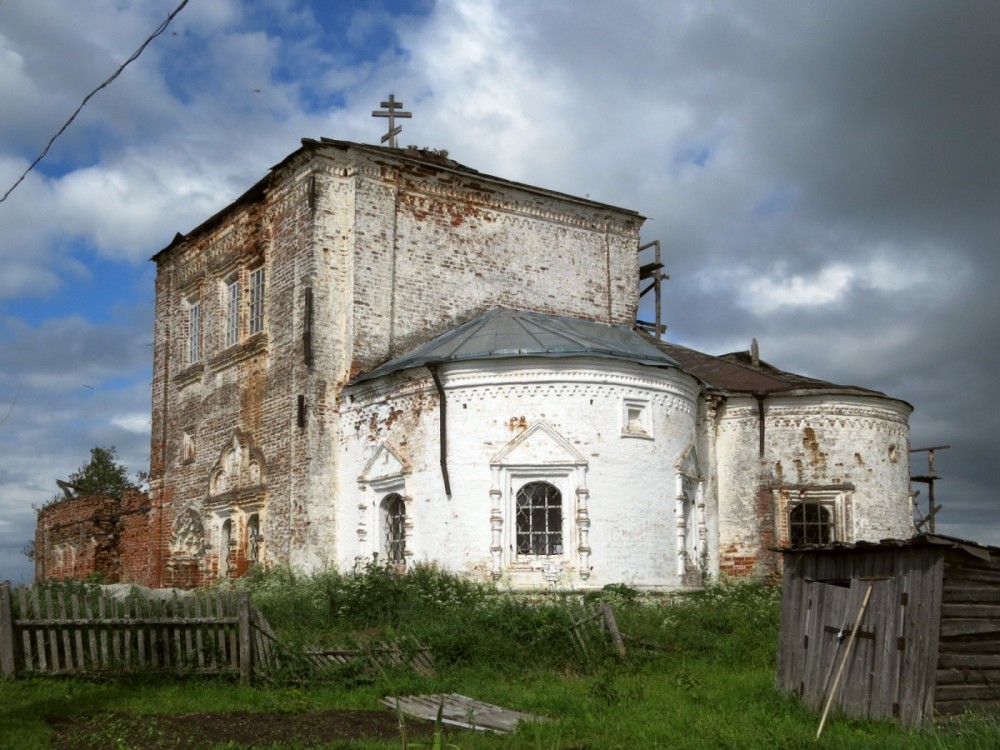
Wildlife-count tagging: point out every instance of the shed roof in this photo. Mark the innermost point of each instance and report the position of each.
(976, 549)
(503, 333)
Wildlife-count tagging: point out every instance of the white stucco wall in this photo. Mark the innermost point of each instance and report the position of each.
(850, 450)
(510, 422)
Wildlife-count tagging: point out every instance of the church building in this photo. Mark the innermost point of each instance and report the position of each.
(380, 354)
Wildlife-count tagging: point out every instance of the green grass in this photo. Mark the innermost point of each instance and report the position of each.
(709, 684)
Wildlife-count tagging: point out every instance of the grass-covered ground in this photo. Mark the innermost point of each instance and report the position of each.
(708, 683)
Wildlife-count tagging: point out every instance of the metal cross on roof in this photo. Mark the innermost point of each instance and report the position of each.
(391, 112)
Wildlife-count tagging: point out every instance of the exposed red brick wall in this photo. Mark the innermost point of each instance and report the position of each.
(92, 536)
(761, 561)
(139, 541)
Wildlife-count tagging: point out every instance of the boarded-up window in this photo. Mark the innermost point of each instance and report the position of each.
(810, 523)
(539, 519)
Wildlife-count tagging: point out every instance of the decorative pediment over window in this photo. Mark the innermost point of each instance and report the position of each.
(687, 464)
(188, 534)
(386, 462)
(539, 444)
(241, 464)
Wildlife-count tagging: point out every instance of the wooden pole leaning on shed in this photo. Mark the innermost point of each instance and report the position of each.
(847, 651)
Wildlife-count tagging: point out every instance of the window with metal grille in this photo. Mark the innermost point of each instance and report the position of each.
(256, 301)
(232, 312)
(810, 523)
(539, 519)
(394, 532)
(194, 333)
(253, 538)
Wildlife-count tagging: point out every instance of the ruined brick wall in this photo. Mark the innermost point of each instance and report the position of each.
(140, 540)
(83, 537)
(849, 453)
(74, 539)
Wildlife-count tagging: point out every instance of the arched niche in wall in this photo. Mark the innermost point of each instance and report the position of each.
(187, 536)
(237, 491)
(241, 468)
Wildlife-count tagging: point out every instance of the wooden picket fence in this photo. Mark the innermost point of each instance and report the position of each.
(55, 630)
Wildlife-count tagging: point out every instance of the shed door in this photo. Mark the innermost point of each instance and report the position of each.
(869, 682)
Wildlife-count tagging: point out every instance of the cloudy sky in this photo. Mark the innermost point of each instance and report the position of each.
(824, 176)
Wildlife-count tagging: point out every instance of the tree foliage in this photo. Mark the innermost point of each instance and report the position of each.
(102, 475)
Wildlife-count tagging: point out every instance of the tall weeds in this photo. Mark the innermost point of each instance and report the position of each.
(466, 622)
(461, 620)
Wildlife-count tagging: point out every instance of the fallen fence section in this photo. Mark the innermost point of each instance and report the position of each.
(60, 630)
(607, 627)
(393, 654)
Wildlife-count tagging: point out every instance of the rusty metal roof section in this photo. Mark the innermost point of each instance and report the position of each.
(504, 333)
(739, 372)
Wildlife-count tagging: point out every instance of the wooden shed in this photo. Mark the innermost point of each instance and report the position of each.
(928, 638)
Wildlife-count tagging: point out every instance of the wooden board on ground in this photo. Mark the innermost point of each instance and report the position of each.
(460, 711)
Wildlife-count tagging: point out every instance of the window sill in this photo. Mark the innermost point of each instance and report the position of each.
(537, 562)
(637, 434)
(248, 498)
(189, 374)
(256, 344)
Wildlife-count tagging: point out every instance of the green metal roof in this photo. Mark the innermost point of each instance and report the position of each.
(503, 333)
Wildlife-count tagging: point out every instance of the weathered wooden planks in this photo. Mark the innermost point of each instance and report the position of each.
(461, 711)
(411, 654)
(72, 629)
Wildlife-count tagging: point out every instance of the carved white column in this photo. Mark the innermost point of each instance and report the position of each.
(496, 525)
(408, 536)
(681, 521)
(362, 527)
(702, 523)
(583, 531)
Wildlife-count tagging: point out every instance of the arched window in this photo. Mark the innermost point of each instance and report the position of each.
(539, 519)
(810, 523)
(393, 530)
(253, 539)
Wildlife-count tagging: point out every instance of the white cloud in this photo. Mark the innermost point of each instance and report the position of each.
(827, 286)
(137, 422)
